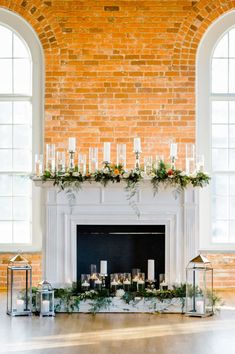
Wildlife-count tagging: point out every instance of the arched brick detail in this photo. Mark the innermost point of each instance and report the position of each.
(40, 16)
(201, 16)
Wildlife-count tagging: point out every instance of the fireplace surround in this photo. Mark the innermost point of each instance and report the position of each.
(98, 205)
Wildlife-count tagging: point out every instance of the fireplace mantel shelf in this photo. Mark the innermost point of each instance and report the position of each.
(95, 204)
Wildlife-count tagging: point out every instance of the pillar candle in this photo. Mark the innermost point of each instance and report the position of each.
(45, 306)
(72, 144)
(20, 305)
(173, 150)
(103, 267)
(107, 152)
(137, 145)
(151, 268)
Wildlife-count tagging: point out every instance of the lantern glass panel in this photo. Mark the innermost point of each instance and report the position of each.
(19, 296)
(199, 289)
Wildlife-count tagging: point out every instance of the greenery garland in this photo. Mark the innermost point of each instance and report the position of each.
(161, 175)
(71, 297)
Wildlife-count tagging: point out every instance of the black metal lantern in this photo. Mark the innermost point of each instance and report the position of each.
(45, 299)
(19, 287)
(199, 287)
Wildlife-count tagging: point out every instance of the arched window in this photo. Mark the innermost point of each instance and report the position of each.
(20, 131)
(216, 132)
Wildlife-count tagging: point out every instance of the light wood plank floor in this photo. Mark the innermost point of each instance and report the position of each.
(120, 333)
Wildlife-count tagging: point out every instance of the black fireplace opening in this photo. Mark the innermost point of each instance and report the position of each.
(123, 246)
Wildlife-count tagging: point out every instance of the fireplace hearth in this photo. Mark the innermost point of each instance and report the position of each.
(123, 246)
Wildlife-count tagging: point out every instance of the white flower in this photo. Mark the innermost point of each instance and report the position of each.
(142, 174)
(152, 174)
(120, 293)
(106, 170)
(75, 174)
(126, 175)
(182, 173)
(66, 174)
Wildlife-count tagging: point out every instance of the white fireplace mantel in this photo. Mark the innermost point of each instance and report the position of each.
(95, 204)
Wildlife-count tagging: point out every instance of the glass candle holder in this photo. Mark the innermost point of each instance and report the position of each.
(93, 159)
(126, 281)
(173, 154)
(189, 158)
(38, 165)
(148, 164)
(200, 162)
(120, 280)
(60, 162)
(82, 163)
(114, 282)
(162, 282)
(85, 281)
(98, 283)
(93, 276)
(141, 282)
(121, 155)
(134, 273)
(50, 157)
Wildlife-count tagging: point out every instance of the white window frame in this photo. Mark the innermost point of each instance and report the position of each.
(16, 23)
(203, 124)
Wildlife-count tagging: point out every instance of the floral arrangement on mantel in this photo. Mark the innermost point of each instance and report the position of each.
(162, 175)
(71, 298)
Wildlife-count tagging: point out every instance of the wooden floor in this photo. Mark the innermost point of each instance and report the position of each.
(120, 333)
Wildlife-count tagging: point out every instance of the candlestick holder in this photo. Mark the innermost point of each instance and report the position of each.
(137, 160)
(104, 279)
(151, 284)
(71, 161)
(173, 160)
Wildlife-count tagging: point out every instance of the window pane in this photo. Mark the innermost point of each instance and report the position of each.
(22, 76)
(220, 136)
(21, 207)
(221, 50)
(22, 160)
(232, 136)
(232, 75)
(5, 208)
(220, 208)
(22, 112)
(232, 231)
(232, 43)
(220, 231)
(6, 76)
(5, 136)
(21, 185)
(22, 136)
(21, 232)
(220, 159)
(219, 75)
(6, 160)
(232, 112)
(5, 112)
(5, 232)
(232, 185)
(20, 49)
(232, 208)
(232, 159)
(220, 112)
(5, 42)
(220, 185)
(5, 185)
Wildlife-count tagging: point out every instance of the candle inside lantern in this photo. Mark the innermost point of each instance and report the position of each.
(137, 145)
(107, 152)
(200, 306)
(103, 267)
(45, 306)
(151, 268)
(20, 305)
(85, 284)
(173, 150)
(163, 286)
(72, 144)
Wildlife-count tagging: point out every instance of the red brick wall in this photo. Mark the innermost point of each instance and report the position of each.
(35, 260)
(119, 69)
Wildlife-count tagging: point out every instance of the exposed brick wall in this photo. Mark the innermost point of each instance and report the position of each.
(35, 260)
(119, 69)
(224, 270)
